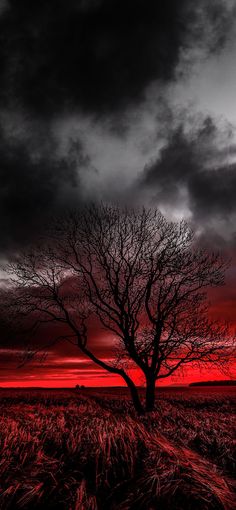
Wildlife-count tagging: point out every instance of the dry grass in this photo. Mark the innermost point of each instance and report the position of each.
(61, 450)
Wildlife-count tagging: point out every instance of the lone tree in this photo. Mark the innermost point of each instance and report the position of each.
(142, 276)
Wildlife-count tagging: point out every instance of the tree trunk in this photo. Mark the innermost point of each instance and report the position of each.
(133, 390)
(134, 394)
(150, 394)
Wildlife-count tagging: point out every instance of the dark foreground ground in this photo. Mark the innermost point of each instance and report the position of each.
(87, 450)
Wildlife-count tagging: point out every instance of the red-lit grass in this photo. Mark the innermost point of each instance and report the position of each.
(62, 450)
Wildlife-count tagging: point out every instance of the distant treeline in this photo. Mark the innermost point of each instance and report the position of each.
(214, 383)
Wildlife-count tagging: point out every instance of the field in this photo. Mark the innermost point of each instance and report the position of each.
(87, 450)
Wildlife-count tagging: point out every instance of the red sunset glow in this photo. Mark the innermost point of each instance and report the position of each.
(65, 367)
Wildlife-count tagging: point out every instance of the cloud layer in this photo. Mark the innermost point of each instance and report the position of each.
(195, 174)
(95, 58)
(36, 181)
(99, 56)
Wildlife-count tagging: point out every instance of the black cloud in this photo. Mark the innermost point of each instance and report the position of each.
(99, 56)
(34, 185)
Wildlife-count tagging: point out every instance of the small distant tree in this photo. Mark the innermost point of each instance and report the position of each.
(143, 277)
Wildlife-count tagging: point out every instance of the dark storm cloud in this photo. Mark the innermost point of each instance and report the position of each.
(99, 56)
(198, 163)
(94, 56)
(34, 183)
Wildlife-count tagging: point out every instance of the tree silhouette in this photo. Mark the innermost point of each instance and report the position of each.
(143, 277)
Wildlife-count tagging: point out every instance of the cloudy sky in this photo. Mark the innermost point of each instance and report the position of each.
(121, 100)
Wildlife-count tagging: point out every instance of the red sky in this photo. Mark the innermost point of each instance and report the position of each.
(67, 372)
(65, 367)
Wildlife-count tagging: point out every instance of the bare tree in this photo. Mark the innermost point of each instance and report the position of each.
(143, 277)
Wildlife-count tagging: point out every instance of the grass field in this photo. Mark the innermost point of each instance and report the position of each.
(87, 450)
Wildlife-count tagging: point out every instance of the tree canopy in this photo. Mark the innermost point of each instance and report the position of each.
(144, 278)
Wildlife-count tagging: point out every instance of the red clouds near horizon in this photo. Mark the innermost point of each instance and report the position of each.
(64, 366)
(59, 372)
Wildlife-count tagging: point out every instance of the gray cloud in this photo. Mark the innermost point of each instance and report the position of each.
(97, 60)
(196, 165)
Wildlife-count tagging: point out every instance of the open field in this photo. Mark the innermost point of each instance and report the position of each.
(87, 450)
